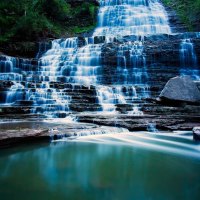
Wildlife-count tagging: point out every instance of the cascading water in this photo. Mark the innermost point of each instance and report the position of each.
(88, 64)
(188, 59)
(43, 85)
(39, 84)
(131, 17)
(118, 19)
(8, 69)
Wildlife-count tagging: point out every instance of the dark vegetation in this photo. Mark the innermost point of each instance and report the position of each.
(188, 12)
(30, 20)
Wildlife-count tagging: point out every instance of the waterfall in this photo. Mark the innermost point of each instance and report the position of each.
(49, 84)
(188, 59)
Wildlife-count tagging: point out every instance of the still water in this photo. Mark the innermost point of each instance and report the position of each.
(115, 167)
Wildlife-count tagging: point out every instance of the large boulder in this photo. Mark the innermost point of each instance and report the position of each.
(181, 89)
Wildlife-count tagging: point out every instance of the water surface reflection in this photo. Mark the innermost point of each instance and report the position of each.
(88, 170)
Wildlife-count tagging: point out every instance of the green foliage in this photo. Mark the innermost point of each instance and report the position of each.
(188, 11)
(79, 30)
(56, 9)
(32, 19)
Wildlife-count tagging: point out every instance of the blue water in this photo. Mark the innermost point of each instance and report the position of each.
(103, 167)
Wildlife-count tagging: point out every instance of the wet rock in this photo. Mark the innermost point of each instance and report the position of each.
(181, 89)
(81, 41)
(12, 111)
(109, 54)
(61, 115)
(23, 103)
(5, 85)
(26, 49)
(196, 133)
(124, 108)
(99, 39)
(161, 50)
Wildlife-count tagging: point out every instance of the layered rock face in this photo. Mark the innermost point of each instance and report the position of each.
(108, 80)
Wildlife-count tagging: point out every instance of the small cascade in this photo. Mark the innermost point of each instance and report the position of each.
(188, 60)
(152, 128)
(9, 68)
(58, 59)
(132, 67)
(88, 64)
(131, 54)
(15, 93)
(62, 136)
(51, 97)
(112, 97)
(41, 85)
(7, 65)
(109, 97)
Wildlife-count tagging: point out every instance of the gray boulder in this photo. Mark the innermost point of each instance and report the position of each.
(181, 89)
(196, 133)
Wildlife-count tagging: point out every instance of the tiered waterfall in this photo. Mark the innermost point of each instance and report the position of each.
(106, 73)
